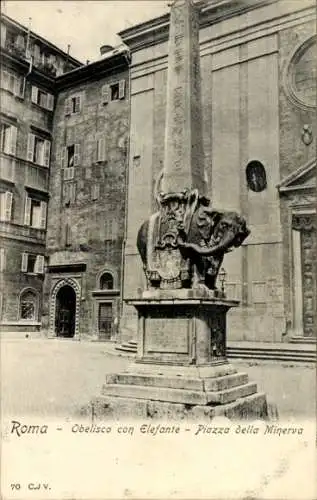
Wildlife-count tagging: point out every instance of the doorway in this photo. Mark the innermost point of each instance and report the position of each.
(105, 320)
(65, 312)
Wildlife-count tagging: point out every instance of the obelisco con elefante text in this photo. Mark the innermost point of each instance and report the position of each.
(183, 155)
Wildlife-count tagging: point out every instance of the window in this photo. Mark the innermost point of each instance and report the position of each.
(70, 158)
(8, 138)
(39, 150)
(69, 192)
(42, 98)
(101, 149)
(95, 191)
(35, 213)
(106, 281)
(13, 83)
(6, 199)
(113, 92)
(33, 264)
(73, 105)
(111, 229)
(28, 305)
(256, 176)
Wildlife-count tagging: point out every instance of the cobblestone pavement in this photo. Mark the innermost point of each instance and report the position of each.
(58, 377)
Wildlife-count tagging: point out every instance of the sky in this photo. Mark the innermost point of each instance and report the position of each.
(84, 24)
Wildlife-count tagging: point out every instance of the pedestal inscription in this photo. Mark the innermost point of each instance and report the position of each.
(169, 335)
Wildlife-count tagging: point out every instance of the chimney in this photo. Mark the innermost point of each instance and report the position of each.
(104, 49)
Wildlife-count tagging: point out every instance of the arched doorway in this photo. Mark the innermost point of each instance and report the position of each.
(65, 312)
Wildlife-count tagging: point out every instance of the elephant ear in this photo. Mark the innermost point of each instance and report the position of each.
(240, 227)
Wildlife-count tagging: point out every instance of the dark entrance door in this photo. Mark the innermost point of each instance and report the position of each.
(105, 320)
(65, 314)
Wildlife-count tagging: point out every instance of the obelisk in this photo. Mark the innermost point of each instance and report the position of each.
(181, 369)
(183, 155)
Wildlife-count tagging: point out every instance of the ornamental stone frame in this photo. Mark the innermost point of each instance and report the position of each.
(77, 289)
(289, 73)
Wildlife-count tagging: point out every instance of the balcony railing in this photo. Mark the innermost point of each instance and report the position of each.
(18, 230)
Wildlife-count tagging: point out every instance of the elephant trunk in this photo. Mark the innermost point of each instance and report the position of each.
(208, 251)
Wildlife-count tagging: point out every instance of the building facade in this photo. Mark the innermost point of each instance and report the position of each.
(29, 65)
(258, 65)
(87, 209)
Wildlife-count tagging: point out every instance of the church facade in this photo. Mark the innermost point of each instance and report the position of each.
(258, 65)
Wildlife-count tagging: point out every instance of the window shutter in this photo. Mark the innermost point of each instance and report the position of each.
(8, 205)
(24, 264)
(36, 52)
(2, 206)
(4, 80)
(101, 149)
(19, 85)
(27, 211)
(72, 194)
(3, 34)
(13, 140)
(76, 155)
(105, 93)
(34, 94)
(67, 107)
(47, 150)
(20, 41)
(95, 191)
(30, 150)
(39, 264)
(77, 104)
(50, 102)
(68, 173)
(2, 260)
(63, 156)
(43, 214)
(121, 89)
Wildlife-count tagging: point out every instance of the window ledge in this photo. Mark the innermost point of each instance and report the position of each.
(28, 322)
(41, 107)
(105, 292)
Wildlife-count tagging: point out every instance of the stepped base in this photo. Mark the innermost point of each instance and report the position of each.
(191, 392)
(120, 408)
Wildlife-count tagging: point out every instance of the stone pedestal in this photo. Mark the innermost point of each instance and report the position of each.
(181, 370)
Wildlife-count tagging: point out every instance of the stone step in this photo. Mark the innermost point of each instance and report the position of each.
(295, 355)
(179, 395)
(180, 382)
(308, 357)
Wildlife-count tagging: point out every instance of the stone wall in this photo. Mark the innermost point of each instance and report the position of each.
(89, 223)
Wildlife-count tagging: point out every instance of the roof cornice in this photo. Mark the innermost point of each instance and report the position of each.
(93, 71)
(156, 30)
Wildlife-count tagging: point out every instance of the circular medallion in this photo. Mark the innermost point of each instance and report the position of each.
(301, 75)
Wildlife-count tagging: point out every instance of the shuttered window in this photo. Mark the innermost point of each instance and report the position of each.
(6, 199)
(101, 149)
(38, 150)
(13, 83)
(42, 98)
(8, 138)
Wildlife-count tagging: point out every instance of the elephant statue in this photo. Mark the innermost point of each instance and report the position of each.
(183, 244)
(211, 234)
